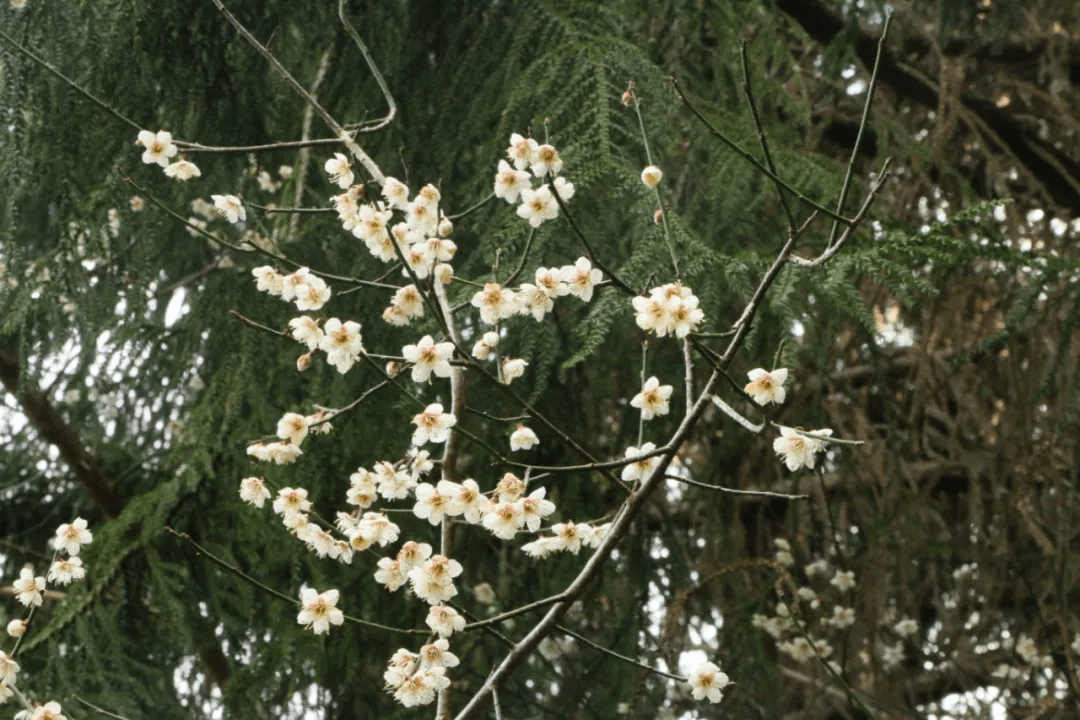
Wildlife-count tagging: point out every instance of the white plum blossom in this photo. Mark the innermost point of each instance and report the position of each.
(653, 399)
(428, 357)
(253, 490)
(413, 554)
(523, 438)
(230, 207)
(522, 151)
(292, 427)
(311, 294)
(767, 387)
(183, 170)
(798, 450)
(537, 206)
(546, 160)
(159, 147)
(510, 182)
(66, 570)
(339, 170)
(306, 330)
(907, 627)
(842, 617)
(394, 484)
(28, 588)
(580, 278)
(570, 536)
(431, 503)
(70, 537)
(432, 425)
(706, 681)
(291, 501)
(535, 508)
(504, 519)
(319, 610)
(378, 528)
(564, 188)
(267, 280)
(485, 345)
(651, 176)
(512, 369)
(444, 621)
(437, 654)
(390, 574)
(396, 193)
(470, 502)
(342, 343)
(495, 302)
(640, 469)
(843, 581)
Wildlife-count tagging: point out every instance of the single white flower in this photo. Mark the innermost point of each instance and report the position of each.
(319, 610)
(523, 438)
(16, 628)
(535, 508)
(70, 537)
(394, 484)
(230, 207)
(842, 617)
(291, 501)
(306, 330)
(292, 427)
(485, 345)
(580, 278)
(843, 581)
(444, 621)
(510, 182)
(437, 654)
(423, 217)
(65, 570)
(570, 536)
(495, 302)
(253, 490)
(311, 294)
(521, 151)
(339, 170)
(640, 469)
(767, 387)
(534, 300)
(49, 711)
(396, 193)
(706, 681)
(182, 170)
(342, 343)
(798, 450)
(419, 462)
(504, 519)
(443, 272)
(267, 280)
(546, 160)
(390, 574)
(907, 627)
(428, 357)
(537, 206)
(421, 688)
(413, 554)
(9, 669)
(159, 147)
(510, 488)
(470, 502)
(378, 528)
(432, 425)
(431, 504)
(653, 399)
(513, 368)
(651, 176)
(565, 188)
(28, 588)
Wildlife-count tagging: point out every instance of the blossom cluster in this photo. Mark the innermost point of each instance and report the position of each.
(670, 309)
(514, 183)
(29, 590)
(292, 429)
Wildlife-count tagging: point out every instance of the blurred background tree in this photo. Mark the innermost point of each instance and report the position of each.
(943, 336)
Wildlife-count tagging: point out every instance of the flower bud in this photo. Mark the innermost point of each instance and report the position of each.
(627, 98)
(445, 227)
(393, 368)
(658, 216)
(444, 273)
(303, 362)
(651, 176)
(16, 628)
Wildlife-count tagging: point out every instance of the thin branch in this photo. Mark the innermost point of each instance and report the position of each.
(734, 415)
(754, 161)
(618, 656)
(252, 324)
(524, 256)
(862, 126)
(296, 210)
(98, 710)
(85, 93)
(266, 588)
(656, 190)
(391, 112)
(515, 612)
(749, 92)
(472, 209)
(496, 418)
(336, 128)
(733, 491)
